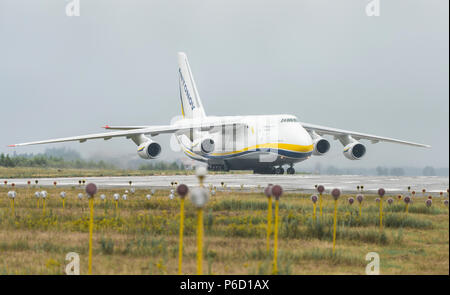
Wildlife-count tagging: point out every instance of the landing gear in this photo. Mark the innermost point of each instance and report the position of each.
(279, 170)
(290, 170)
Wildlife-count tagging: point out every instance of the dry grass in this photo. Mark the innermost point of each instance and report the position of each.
(142, 237)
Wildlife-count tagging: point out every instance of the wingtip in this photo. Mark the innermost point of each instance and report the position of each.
(106, 127)
(12, 145)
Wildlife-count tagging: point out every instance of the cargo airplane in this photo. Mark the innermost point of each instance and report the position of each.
(263, 143)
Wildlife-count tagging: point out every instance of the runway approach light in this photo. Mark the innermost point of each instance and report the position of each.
(148, 197)
(277, 191)
(91, 190)
(124, 197)
(13, 184)
(152, 191)
(171, 196)
(199, 197)
(80, 196)
(43, 194)
(446, 203)
(360, 198)
(351, 201)
(390, 201)
(429, 202)
(314, 198)
(116, 197)
(102, 197)
(37, 195)
(12, 194)
(381, 192)
(201, 172)
(377, 200)
(126, 191)
(182, 190)
(336, 193)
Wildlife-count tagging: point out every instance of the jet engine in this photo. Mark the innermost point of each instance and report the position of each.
(149, 150)
(321, 145)
(205, 146)
(354, 150)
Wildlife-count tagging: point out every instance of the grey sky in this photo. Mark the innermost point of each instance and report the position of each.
(324, 61)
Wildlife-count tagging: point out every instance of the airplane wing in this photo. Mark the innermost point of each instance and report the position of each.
(323, 130)
(151, 130)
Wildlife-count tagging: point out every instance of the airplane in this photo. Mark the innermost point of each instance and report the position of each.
(262, 143)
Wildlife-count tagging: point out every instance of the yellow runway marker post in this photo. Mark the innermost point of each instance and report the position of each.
(268, 193)
(28, 189)
(63, 198)
(381, 193)
(320, 189)
(360, 199)
(314, 200)
(277, 191)
(37, 195)
(12, 195)
(44, 197)
(116, 203)
(91, 190)
(182, 191)
(199, 198)
(407, 200)
(335, 193)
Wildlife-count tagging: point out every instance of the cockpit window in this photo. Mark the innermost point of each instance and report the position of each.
(289, 120)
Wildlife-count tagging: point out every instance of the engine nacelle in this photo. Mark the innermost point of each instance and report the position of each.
(321, 146)
(149, 150)
(354, 150)
(206, 146)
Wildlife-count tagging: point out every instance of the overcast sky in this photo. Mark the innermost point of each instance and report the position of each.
(326, 62)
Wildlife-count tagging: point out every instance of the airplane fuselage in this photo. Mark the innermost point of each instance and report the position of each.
(258, 143)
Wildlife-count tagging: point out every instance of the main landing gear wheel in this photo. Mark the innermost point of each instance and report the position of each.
(279, 170)
(290, 170)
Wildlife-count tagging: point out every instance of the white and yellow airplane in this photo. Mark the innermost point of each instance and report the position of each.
(263, 144)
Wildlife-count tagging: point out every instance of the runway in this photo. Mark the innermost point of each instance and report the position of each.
(294, 183)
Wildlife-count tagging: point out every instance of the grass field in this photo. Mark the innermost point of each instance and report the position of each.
(142, 236)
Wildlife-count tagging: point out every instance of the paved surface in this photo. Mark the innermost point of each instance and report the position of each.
(300, 183)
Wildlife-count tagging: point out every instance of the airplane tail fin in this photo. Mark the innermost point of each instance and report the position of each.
(191, 104)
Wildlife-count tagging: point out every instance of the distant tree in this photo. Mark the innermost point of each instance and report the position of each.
(429, 171)
(382, 171)
(397, 172)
